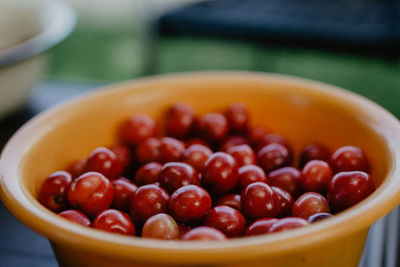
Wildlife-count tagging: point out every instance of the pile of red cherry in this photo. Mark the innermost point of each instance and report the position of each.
(213, 177)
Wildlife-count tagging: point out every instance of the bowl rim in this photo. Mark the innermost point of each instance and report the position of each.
(59, 230)
(53, 33)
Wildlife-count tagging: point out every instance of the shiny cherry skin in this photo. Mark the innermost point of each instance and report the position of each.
(272, 157)
(148, 150)
(104, 161)
(286, 178)
(255, 135)
(259, 201)
(124, 190)
(213, 127)
(114, 221)
(309, 204)
(76, 216)
(232, 141)
(189, 203)
(260, 227)
(161, 226)
(174, 175)
(148, 200)
(231, 200)
(288, 223)
(250, 174)
(196, 156)
(148, 173)
(226, 219)
(77, 167)
(123, 153)
(203, 233)
(220, 173)
(197, 141)
(180, 120)
(91, 193)
(272, 138)
(314, 151)
(285, 201)
(349, 158)
(54, 189)
(171, 149)
(137, 128)
(315, 176)
(348, 188)
(238, 117)
(319, 217)
(243, 154)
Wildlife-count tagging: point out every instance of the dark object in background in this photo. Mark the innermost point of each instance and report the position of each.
(363, 26)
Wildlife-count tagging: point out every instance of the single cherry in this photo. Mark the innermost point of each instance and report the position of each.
(348, 188)
(171, 149)
(114, 221)
(287, 224)
(286, 178)
(249, 174)
(203, 233)
(213, 127)
(137, 128)
(124, 190)
(189, 203)
(54, 189)
(148, 173)
(91, 193)
(232, 141)
(226, 219)
(259, 201)
(316, 176)
(314, 151)
(220, 173)
(309, 204)
(161, 226)
(260, 227)
(174, 175)
(106, 162)
(123, 153)
(349, 158)
(238, 117)
(243, 154)
(197, 155)
(180, 120)
(285, 201)
(148, 150)
(272, 157)
(76, 216)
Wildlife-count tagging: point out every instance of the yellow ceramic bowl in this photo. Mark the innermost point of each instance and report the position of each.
(304, 111)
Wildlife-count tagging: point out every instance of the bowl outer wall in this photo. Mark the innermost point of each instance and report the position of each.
(18, 198)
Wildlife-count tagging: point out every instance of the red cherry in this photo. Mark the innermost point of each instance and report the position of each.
(249, 174)
(349, 158)
(148, 150)
(53, 191)
(272, 157)
(319, 217)
(220, 173)
(272, 138)
(189, 203)
(161, 226)
(171, 149)
(232, 141)
(348, 188)
(148, 173)
(137, 128)
(114, 221)
(174, 175)
(91, 193)
(76, 216)
(287, 224)
(203, 233)
(148, 200)
(285, 201)
(232, 200)
(124, 190)
(213, 127)
(243, 154)
(197, 141)
(286, 178)
(77, 167)
(104, 161)
(197, 155)
(259, 201)
(180, 120)
(315, 176)
(238, 117)
(123, 154)
(226, 219)
(260, 227)
(255, 135)
(314, 151)
(309, 204)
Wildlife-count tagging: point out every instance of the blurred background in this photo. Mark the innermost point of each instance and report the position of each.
(352, 44)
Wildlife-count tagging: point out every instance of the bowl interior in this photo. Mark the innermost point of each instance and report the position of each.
(303, 111)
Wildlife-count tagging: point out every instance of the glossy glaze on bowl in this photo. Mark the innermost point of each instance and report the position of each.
(302, 110)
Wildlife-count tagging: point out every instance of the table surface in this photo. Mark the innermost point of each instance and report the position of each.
(21, 247)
